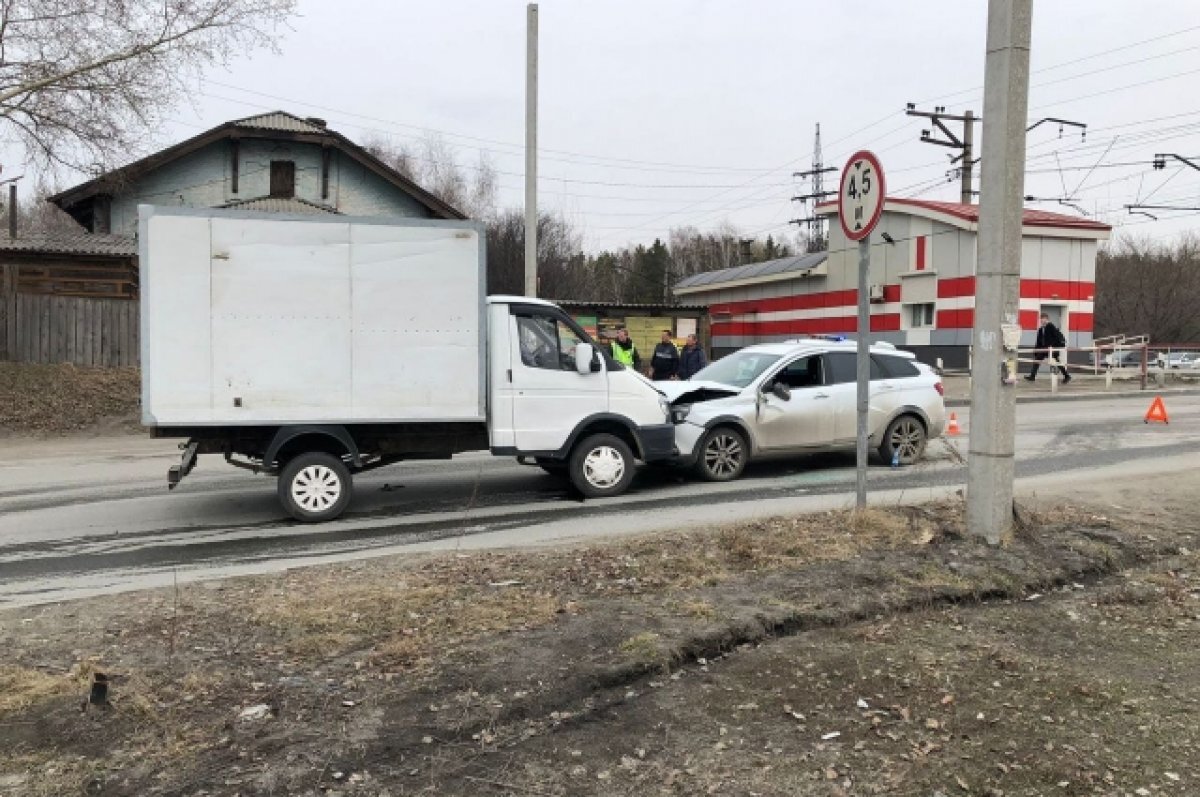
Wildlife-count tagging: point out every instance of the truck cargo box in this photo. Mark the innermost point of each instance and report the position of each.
(262, 319)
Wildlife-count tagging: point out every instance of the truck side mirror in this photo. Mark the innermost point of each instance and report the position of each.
(583, 358)
(781, 391)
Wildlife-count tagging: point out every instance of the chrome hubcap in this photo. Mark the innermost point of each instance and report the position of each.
(316, 488)
(907, 439)
(603, 467)
(723, 455)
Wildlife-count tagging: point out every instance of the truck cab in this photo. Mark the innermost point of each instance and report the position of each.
(558, 400)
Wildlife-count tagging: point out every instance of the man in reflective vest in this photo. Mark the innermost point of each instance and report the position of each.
(624, 352)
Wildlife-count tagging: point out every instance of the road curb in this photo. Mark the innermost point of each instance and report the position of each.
(1148, 393)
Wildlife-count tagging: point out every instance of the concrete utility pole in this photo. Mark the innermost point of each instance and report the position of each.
(967, 144)
(990, 466)
(531, 207)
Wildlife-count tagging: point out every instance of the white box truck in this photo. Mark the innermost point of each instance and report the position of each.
(315, 347)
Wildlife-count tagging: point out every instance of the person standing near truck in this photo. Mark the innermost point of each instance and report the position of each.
(664, 363)
(691, 359)
(624, 352)
(1048, 337)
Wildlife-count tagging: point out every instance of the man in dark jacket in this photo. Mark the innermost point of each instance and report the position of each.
(691, 359)
(1048, 337)
(664, 363)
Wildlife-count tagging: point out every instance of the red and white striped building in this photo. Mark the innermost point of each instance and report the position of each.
(922, 285)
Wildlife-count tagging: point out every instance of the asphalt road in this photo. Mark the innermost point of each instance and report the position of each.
(80, 517)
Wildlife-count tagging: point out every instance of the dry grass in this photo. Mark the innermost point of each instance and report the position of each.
(403, 622)
(405, 614)
(22, 686)
(408, 614)
(645, 648)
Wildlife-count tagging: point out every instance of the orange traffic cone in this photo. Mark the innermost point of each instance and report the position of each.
(952, 428)
(1157, 411)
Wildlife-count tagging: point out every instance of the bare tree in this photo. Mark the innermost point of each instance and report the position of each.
(1147, 288)
(84, 82)
(563, 270)
(435, 168)
(36, 215)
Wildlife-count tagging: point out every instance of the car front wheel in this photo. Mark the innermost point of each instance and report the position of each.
(723, 455)
(601, 465)
(903, 441)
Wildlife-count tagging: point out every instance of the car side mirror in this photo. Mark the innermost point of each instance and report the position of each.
(584, 354)
(781, 391)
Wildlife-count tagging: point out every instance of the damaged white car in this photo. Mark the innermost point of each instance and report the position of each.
(796, 397)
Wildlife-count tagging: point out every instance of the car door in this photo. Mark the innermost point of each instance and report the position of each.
(803, 420)
(549, 396)
(885, 395)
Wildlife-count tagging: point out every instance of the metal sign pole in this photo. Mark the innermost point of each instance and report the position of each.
(864, 371)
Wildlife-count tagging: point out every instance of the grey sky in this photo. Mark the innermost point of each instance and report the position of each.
(717, 100)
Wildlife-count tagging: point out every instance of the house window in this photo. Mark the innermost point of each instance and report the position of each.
(283, 178)
(920, 316)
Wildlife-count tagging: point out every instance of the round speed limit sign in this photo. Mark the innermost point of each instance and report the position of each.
(860, 198)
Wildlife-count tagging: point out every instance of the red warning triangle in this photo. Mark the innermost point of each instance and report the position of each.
(1157, 412)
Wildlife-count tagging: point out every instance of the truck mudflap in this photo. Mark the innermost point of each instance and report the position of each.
(186, 463)
(658, 442)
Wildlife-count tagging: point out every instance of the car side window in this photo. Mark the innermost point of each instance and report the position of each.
(843, 368)
(802, 372)
(547, 343)
(896, 367)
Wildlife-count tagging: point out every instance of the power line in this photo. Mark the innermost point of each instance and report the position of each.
(1072, 62)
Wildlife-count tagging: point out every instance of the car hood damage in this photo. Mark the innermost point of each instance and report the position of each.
(692, 392)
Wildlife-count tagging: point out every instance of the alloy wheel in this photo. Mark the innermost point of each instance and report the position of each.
(723, 455)
(907, 439)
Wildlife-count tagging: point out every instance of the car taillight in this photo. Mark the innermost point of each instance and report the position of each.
(938, 387)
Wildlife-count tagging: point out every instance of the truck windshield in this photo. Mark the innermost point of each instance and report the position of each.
(737, 370)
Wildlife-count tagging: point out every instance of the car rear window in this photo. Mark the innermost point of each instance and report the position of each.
(897, 367)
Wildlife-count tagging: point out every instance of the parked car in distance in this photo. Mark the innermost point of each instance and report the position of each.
(1179, 359)
(1128, 358)
(783, 398)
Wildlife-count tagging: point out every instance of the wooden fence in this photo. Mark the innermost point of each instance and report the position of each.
(42, 328)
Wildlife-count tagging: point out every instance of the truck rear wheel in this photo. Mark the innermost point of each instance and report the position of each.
(315, 487)
(601, 465)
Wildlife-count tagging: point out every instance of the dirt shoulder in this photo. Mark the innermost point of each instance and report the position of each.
(883, 653)
(68, 399)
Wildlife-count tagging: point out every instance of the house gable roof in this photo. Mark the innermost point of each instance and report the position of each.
(273, 125)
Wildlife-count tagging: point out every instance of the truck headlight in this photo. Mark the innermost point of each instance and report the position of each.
(679, 414)
(665, 406)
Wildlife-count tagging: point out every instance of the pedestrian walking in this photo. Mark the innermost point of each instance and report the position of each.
(691, 359)
(664, 362)
(624, 352)
(1048, 337)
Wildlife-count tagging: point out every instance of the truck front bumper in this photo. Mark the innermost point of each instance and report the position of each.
(658, 442)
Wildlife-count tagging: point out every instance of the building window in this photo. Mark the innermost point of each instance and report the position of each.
(283, 178)
(919, 316)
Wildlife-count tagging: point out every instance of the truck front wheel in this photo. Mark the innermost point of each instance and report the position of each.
(601, 465)
(315, 487)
